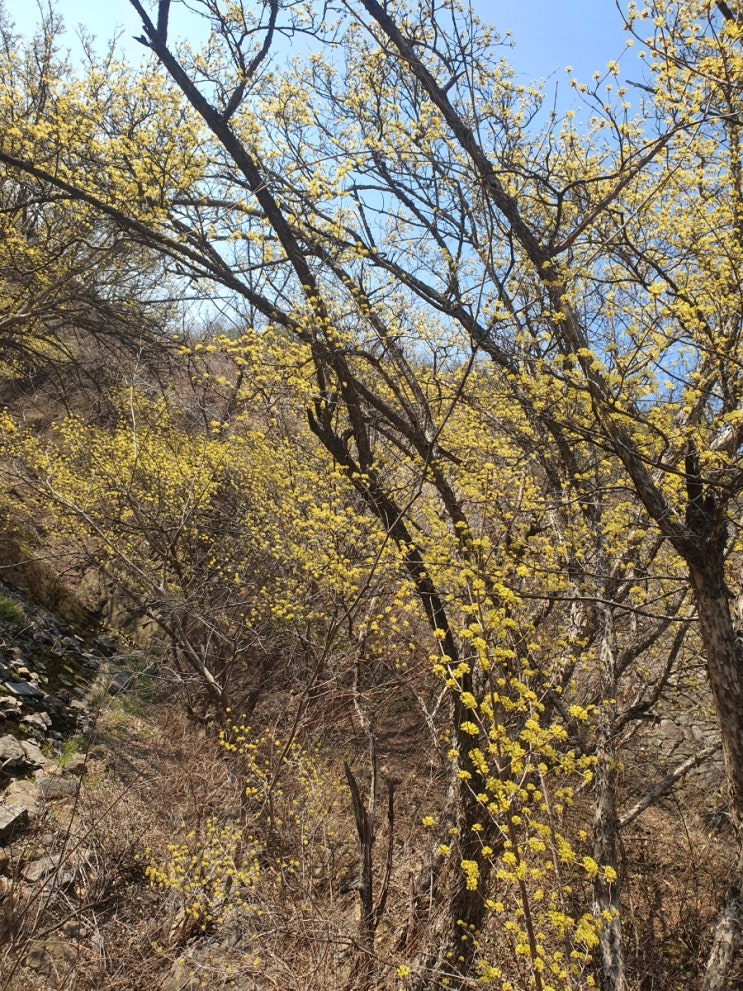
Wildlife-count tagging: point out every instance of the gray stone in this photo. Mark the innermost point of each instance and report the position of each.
(182, 977)
(36, 958)
(51, 788)
(120, 683)
(9, 706)
(23, 689)
(76, 765)
(74, 929)
(12, 817)
(39, 721)
(52, 958)
(50, 870)
(19, 755)
(34, 756)
(12, 754)
(23, 793)
(36, 870)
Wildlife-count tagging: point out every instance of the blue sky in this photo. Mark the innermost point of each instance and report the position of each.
(585, 34)
(549, 35)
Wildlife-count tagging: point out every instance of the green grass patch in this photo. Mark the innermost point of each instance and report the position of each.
(10, 612)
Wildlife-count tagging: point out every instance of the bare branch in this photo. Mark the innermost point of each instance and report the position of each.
(665, 786)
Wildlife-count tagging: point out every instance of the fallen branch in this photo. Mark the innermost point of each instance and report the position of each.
(664, 786)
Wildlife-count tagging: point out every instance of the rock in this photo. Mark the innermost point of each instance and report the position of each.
(23, 793)
(34, 756)
(9, 707)
(181, 978)
(24, 689)
(76, 765)
(120, 683)
(12, 754)
(4, 860)
(73, 929)
(50, 870)
(36, 957)
(17, 756)
(12, 818)
(36, 870)
(106, 645)
(40, 721)
(52, 958)
(51, 788)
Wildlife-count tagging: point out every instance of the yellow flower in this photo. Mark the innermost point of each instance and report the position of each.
(471, 873)
(590, 866)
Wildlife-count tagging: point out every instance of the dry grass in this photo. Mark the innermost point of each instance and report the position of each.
(153, 778)
(145, 779)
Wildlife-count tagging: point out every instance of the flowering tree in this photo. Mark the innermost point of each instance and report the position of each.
(519, 350)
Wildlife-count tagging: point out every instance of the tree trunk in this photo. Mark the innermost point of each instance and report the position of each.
(725, 671)
(606, 894)
(724, 666)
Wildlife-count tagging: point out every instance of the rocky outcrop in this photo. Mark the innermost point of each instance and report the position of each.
(44, 667)
(48, 674)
